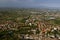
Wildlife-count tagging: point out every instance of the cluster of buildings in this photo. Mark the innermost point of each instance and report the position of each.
(36, 25)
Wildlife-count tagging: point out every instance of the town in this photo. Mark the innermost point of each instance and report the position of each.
(29, 24)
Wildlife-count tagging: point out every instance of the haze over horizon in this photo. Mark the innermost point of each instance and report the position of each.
(30, 3)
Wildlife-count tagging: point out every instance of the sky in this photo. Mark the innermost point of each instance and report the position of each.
(30, 3)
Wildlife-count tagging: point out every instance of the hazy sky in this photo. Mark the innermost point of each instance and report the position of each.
(30, 3)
